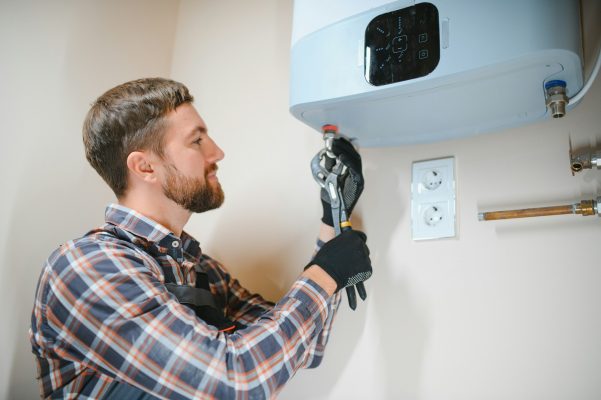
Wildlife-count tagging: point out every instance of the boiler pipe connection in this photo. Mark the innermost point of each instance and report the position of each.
(584, 160)
(584, 208)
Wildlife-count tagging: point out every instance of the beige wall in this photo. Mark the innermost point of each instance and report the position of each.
(507, 310)
(56, 57)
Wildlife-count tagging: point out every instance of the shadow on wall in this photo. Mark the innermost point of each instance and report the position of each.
(8, 294)
(402, 332)
(320, 383)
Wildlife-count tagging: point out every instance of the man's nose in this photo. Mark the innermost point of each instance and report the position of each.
(216, 153)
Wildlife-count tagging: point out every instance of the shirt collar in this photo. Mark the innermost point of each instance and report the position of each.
(139, 225)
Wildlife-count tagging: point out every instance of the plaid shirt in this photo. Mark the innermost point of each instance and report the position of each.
(103, 314)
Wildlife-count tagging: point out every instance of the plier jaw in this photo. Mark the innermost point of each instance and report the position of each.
(320, 173)
(328, 179)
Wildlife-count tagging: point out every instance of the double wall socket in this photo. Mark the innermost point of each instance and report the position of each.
(433, 199)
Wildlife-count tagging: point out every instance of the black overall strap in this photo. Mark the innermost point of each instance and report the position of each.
(191, 296)
(204, 303)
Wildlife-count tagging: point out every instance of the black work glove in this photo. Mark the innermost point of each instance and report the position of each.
(345, 258)
(351, 181)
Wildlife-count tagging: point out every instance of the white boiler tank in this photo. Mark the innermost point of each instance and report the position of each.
(391, 73)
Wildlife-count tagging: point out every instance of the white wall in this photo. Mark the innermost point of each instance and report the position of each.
(507, 310)
(56, 57)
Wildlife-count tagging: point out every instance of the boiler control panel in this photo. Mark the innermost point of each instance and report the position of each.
(402, 44)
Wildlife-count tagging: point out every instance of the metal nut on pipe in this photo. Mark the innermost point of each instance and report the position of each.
(556, 98)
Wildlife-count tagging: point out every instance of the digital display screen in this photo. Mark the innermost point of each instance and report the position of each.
(402, 44)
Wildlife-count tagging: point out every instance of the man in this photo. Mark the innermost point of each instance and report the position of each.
(135, 310)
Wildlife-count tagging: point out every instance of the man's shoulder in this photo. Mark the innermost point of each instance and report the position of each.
(207, 261)
(95, 247)
(212, 266)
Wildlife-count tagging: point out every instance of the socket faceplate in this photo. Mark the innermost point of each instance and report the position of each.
(433, 199)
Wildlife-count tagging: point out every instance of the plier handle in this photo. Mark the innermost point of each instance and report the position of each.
(328, 177)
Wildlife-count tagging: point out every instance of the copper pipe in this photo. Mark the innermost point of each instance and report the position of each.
(584, 208)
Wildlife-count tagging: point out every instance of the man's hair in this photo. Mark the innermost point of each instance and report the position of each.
(127, 118)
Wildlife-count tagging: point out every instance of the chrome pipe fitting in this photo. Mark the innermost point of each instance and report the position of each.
(556, 98)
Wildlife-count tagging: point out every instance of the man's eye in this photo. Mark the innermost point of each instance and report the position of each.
(197, 141)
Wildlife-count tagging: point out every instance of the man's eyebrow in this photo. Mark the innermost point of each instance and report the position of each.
(196, 130)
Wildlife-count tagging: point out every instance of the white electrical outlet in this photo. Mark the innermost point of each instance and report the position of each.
(433, 199)
(433, 215)
(432, 179)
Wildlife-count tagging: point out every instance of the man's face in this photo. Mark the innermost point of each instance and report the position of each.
(189, 175)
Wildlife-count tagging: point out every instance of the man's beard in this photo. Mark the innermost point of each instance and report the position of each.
(193, 194)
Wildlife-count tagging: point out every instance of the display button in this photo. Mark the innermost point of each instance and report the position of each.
(399, 44)
(422, 38)
(422, 54)
(382, 31)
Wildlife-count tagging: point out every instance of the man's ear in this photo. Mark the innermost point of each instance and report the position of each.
(139, 165)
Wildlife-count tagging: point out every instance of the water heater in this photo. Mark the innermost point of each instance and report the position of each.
(391, 73)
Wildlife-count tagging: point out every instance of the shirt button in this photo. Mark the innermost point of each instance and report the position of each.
(175, 243)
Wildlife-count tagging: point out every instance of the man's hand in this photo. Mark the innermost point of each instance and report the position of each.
(345, 258)
(351, 181)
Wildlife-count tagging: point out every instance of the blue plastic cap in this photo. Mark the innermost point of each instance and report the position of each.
(554, 83)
